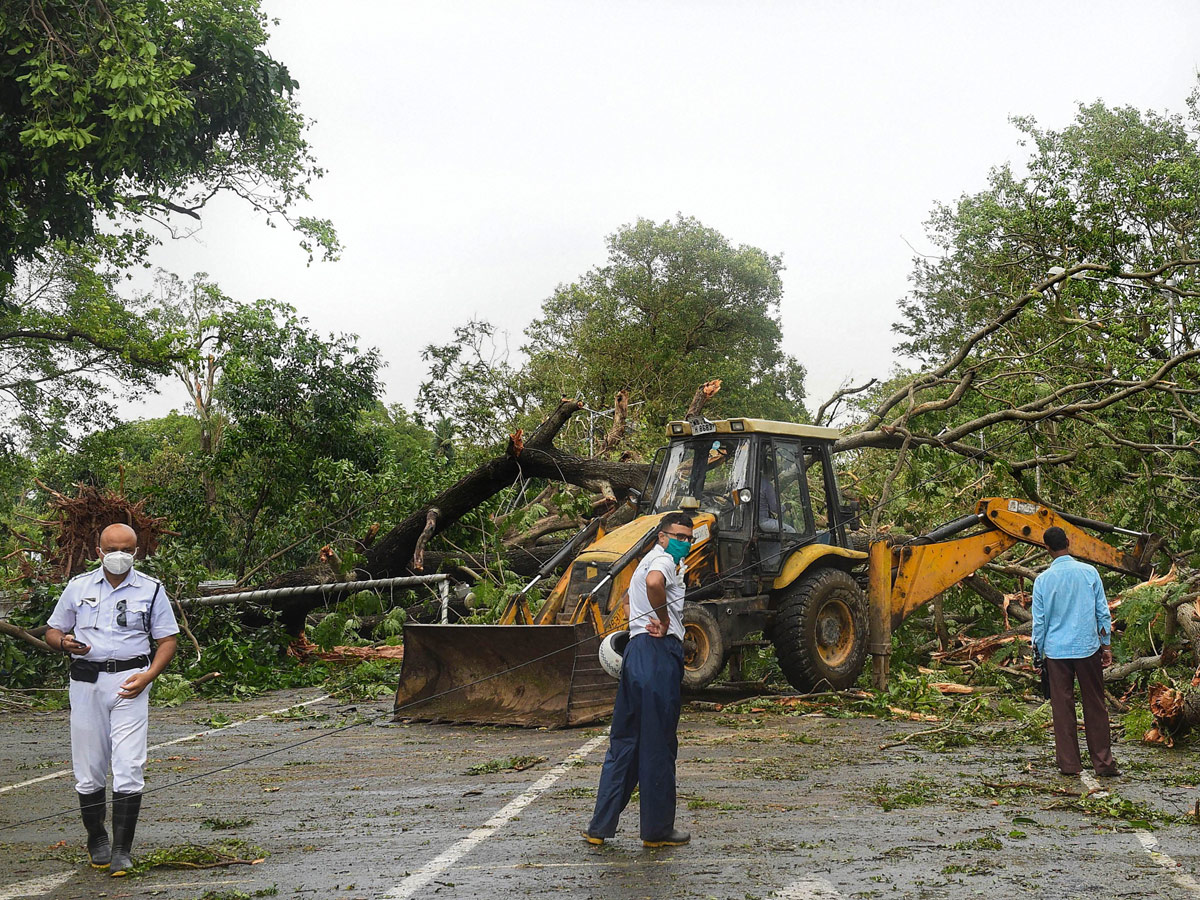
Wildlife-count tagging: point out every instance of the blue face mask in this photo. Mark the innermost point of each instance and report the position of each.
(678, 549)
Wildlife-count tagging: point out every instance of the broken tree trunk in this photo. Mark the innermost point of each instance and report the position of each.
(535, 457)
(997, 598)
(21, 634)
(1175, 714)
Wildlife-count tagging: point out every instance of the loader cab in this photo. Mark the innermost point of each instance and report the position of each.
(798, 499)
(770, 485)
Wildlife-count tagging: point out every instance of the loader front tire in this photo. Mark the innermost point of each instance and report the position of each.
(820, 631)
(703, 647)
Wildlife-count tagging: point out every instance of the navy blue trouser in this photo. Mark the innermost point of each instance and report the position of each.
(642, 743)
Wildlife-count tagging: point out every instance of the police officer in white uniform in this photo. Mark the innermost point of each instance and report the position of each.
(105, 619)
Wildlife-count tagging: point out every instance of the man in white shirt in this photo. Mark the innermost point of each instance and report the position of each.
(642, 742)
(106, 619)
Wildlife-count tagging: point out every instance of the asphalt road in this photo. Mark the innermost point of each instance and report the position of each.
(795, 806)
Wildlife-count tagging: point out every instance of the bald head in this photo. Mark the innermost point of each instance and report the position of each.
(118, 537)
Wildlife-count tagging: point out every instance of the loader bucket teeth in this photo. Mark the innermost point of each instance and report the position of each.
(529, 675)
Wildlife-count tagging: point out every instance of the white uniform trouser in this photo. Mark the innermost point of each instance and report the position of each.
(107, 730)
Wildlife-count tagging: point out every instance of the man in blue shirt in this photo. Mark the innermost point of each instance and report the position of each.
(1072, 631)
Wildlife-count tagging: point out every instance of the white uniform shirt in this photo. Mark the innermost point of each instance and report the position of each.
(640, 610)
(90, 607)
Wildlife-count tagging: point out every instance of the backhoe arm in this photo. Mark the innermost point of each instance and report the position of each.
(904, 577)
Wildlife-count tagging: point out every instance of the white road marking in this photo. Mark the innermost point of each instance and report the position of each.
(191, 737)
(810, 887)
(35, 887)
(441, 863)
(1092, 784)
(639, 862)
(1150, 843)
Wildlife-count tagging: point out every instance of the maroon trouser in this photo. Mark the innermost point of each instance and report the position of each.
(1090, 673)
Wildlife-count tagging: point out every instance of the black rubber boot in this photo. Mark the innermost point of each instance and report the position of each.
(94, 808)
(125, 815)
(673, 838)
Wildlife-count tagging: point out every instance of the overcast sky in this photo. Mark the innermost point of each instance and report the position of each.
(479, 153)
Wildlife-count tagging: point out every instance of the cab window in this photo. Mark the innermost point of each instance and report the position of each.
(781, 506)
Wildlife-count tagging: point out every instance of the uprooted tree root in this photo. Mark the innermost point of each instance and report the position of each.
(77, 521)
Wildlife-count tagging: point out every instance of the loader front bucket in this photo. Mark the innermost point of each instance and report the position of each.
(530, 675)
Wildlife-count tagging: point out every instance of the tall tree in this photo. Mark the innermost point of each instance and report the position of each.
(675, 306)
(1056, 327)
(72, 346)
(293, 398)
(130, 108)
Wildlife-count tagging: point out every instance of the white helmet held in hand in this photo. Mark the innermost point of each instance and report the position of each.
(612, 648)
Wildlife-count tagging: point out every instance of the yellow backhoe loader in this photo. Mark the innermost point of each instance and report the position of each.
(775, 551)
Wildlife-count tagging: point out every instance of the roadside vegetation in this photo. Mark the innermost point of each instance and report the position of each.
(1050, 340)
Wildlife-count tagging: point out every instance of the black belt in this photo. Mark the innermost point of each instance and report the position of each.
(89, 670)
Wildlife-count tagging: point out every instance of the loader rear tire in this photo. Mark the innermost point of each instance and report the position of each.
(703, 647)
(820, 631)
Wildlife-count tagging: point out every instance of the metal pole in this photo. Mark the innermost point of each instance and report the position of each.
(336, 587)
(879, 596)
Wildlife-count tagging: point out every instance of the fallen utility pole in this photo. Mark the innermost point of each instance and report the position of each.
(332, 588)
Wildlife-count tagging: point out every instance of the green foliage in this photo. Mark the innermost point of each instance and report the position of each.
(1115, 191)
(722, 805)
(193, 855)
(71, 346)
(336, 628)
(472, 391)
(217, 824)
(509, 764)
(368, 680)
(250, 660)
(293, 400)
(1136, 723)
(1141, 816)
(171, 689)
(905, 691)
(125, 108)
(987, 842)
(286, 438)
(675, 306)
(761, 663)
(392, 625)
(916, 791)
(239, 895)
(490, 598)
(1140, 621)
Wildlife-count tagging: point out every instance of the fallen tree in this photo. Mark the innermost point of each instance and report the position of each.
(532, 457)
(614, 481)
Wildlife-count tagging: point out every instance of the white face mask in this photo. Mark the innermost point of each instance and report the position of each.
(118, 562)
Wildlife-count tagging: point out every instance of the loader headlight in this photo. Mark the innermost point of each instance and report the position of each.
(737, 425)
(676, 428)
(744, 495)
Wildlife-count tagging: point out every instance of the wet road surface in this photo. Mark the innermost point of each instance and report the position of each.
(796, 806)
